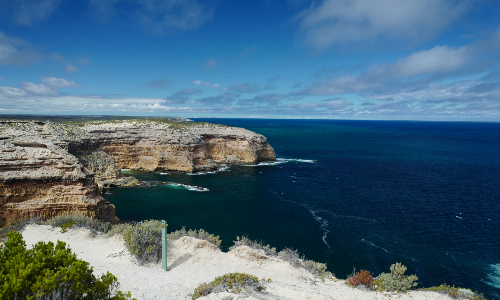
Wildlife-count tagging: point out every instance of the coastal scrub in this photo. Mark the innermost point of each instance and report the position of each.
(231, 282)
(49, 271)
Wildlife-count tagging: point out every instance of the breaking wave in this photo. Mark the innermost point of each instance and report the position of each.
(222, 168)
(188, 187)
(280, 161)
(494, 276)
(147, 184)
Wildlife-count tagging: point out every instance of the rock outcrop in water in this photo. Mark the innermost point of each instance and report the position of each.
(49, 169)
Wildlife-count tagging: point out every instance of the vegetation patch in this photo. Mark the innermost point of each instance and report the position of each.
(396, 280)
(362, 277)
(231, 282)
(293, 257)
(199, 234)
(49, 271)
(80, 221)
(143, 240)
(18, 226)
(455, 292)
(244, 240)
(66, 226)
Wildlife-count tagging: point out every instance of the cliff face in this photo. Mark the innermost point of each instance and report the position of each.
(39, 178)
(49, 169)
(156, 147)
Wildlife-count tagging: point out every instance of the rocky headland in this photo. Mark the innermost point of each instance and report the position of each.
(49, 168)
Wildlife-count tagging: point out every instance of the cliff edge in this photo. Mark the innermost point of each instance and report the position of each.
(49, 169)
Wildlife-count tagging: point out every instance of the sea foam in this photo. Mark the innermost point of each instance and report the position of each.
(222, 168)
(280, 161)
(494, 276)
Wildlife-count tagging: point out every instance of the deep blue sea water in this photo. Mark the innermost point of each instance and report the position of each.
(362, 194)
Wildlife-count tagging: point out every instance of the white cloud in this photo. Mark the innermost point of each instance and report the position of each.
(9, 92)
(48, 87)
(344, 22)
(440, 60)
(56, 83)
(6, 50)
(39, 89)
(198, 82)
(15, 51)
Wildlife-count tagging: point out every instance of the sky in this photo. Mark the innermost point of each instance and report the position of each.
(326, 59)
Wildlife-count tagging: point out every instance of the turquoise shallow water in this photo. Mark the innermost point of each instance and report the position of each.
(362, 194)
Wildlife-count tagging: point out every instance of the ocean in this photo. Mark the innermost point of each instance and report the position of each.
(351, 194)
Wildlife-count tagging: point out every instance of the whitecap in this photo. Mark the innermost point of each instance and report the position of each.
(163, 173)
(494, 276)
(189, 187)
(280, 161)
(222, 168)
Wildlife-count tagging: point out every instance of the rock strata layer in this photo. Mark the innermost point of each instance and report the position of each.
(49, 169)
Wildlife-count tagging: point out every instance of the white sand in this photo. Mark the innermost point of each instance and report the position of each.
(192, 262)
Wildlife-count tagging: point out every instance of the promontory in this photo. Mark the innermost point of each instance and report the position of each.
(50, 168)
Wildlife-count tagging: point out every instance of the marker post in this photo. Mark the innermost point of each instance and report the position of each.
(164, 245)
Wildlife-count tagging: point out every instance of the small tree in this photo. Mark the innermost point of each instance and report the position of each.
(396, 280)
(48, 271)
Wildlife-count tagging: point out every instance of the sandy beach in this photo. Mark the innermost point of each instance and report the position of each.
(192, 262)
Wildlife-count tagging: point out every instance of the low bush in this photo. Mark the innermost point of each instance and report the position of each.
(81, 221)
(253, 244)
(292, 256)
(117, 229)
(396, 280)
(50, 272)
(18, 226)
(66, 226)
(231, 282)
(200, 234)
(455, 292)
(143, 240)
(362, 277)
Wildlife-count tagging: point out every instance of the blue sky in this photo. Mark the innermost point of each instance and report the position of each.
(346, 59)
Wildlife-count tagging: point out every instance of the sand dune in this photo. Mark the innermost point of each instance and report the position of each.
(192, 261)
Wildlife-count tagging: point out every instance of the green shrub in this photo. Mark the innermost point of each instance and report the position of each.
(66, 226)
(143, 240)
(455, 292)
(253, 244)
(396, 280)
(231, 282)
(200, 234)
(361, 278)
(48, 271)
(117, 229)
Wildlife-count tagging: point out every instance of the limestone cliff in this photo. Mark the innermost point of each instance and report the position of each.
(155, 146)
(39, 178)
(49, 169)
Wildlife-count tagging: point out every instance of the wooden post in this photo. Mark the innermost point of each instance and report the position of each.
(164, 245)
